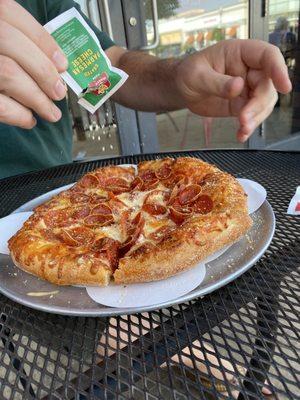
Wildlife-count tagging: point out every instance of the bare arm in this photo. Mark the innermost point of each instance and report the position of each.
(152, 82)
(238, 78)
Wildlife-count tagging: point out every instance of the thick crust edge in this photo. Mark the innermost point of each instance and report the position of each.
(71, 274)
(179, 252)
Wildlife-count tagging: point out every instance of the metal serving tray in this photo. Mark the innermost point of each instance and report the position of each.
(70, 300)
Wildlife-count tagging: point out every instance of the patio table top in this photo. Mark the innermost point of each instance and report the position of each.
(228, 344)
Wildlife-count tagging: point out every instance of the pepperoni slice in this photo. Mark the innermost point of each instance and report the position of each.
(173, 194)
(102, 209)
(167, 196)
(189, 194)
(48, 235)
(79, 198)
(101, 244)
(186, 209)
(116, 185)
(117, 189)
(203, 204)
(114, 199)
(96, 198)
(137, 184)
(148, 185)
(113, 253)
(143, 248)
(126, 246)
(164, 172)
(58, 217)
(76, 236)
(138, 219)
(81, 212)
(160, 233)
(110, 247)
(154, 209)
(98, 220)
(124, 222)
(89, 181)
(119, 182)
(170, 181)
(148, 175)
(178, 216)
(134, 233)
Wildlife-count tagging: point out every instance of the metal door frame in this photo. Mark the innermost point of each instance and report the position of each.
(137, 130)
(258, 29)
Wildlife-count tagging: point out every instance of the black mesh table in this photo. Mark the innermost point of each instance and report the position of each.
(226, 345)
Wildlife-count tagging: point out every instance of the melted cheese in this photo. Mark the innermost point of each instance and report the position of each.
(98, 191)
(111, 231)
(134, 199)
(41, 224)
(158, 197)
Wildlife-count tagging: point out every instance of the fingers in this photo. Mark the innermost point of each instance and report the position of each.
(217, 84)
(15, 15)
(16, 83)
(263, 56)
(260, 106)
(13, 113)
(15, 45)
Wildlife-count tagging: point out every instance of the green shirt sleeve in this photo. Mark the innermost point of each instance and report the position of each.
(56, 7)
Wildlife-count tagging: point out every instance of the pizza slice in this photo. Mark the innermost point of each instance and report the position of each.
(206, 210)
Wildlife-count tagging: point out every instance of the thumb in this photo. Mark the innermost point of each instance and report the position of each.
(221, 85)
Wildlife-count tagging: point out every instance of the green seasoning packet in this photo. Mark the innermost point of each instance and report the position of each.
(90, 73)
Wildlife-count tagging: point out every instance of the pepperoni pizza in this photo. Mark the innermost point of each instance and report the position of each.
(129, 226)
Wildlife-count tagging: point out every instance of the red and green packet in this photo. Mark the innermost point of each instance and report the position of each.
(90, 74)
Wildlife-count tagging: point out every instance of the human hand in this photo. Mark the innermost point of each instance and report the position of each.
(30, 62)
(234, 78)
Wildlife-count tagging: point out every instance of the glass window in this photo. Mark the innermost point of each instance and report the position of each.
(94, 136)
(282, 129)
(187, 26)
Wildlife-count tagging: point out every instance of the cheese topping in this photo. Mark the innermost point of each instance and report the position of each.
(112, 232)
(134, 199)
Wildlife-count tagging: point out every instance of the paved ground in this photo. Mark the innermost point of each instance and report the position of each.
(182, 130)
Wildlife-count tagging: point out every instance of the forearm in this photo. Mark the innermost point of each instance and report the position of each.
(151, 85)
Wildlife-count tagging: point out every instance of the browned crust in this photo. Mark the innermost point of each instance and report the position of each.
(64, 271)
(179, 252)
(155, 164)
(54, 261)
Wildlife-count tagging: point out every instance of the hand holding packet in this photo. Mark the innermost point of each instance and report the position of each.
(90, 74)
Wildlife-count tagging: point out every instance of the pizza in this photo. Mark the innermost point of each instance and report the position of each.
(130, 224)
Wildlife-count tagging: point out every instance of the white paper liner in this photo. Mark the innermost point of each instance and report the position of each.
(294, 206)
(9, 226)
(216, 255)
(257, 194)
(149, 293)
(135, 295)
